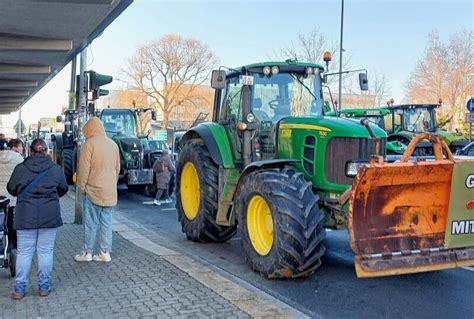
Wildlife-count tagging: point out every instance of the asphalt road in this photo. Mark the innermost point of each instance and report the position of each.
(334, 290)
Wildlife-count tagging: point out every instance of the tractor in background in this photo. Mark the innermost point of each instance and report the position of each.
(272, 164)
(65, 144)
(405, 121)
(123, 127)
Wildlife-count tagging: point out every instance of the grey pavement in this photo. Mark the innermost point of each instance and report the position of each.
(137, 283)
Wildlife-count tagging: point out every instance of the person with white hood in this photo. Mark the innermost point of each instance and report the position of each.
(9, 159)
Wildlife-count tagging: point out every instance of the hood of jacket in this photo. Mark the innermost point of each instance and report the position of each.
(93, 127)
(7, 156)
(38, 163)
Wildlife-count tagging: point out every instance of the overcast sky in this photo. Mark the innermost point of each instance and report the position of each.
(383, 36)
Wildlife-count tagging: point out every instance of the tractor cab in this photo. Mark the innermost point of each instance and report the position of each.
(413, 118)
(119, 122)
(258, 96)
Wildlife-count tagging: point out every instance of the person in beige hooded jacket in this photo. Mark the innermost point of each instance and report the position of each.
(99, 168)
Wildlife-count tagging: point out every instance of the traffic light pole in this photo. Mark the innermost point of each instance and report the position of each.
(81, 111)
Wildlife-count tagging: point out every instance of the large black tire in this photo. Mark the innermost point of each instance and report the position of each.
(296, 248)
(68, 164)
(202, 227)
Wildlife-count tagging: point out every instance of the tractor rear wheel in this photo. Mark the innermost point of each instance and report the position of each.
(197, 195)
(280, 223)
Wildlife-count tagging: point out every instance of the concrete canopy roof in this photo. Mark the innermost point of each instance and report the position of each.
(40, 37)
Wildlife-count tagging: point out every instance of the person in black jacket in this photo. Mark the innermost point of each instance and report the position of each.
(38, 183)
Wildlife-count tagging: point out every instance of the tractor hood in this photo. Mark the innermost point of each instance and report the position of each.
(334, 126)
(450, 137)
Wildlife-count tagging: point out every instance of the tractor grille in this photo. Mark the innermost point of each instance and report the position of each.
(340, 150)
(308, 154)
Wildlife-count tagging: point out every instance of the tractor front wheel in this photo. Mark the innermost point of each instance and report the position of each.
(197, 195)
(280, 223)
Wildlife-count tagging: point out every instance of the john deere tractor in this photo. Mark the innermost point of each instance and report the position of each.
(274, 165)
(408, 120)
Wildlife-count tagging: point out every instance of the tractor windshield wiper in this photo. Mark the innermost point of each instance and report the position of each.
(304, 85)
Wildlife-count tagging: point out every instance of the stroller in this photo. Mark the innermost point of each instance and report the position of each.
(7, 237)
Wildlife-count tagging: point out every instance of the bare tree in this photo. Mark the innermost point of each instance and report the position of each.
(310, 47)
(445, 72)
(169, 71)
(379, 88)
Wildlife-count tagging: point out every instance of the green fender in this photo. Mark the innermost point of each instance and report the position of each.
(214, 137)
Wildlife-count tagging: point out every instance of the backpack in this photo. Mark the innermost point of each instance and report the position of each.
(159, 166)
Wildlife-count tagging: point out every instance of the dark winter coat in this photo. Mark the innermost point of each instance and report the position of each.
(39, 206)
(163, 168)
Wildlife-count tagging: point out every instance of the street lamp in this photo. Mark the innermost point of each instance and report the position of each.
(340, 56)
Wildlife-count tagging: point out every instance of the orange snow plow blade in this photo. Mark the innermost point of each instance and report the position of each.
(398, 215)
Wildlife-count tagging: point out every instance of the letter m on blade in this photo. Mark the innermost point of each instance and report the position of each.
(458, 227)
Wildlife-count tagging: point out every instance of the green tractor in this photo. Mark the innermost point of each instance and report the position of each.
(376, 116)
(122, 126)
(405, 121)
(271, 162)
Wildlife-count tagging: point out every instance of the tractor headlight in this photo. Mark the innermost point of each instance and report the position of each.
(352, 168)
(266, 70)
(250, 118)
(309, 70)
(275, 70)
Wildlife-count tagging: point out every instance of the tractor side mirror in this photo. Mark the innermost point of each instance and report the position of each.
(153, 115)
(325, 79)
(59, 118)
(363, 82)
(218, 79)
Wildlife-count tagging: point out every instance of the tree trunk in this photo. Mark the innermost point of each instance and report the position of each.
(166, 115)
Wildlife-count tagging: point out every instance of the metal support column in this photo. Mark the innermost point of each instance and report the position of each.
(340, 56)
(81, 110)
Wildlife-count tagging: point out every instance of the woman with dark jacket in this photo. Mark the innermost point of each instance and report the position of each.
(38, 183)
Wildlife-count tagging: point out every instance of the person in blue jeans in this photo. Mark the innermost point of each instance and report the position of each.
(37, 183)
(99, 168)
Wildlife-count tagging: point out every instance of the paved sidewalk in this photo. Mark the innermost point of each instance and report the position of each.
(137, 283)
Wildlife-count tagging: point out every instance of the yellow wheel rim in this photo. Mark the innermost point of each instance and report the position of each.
(190, 191)
(260, 225)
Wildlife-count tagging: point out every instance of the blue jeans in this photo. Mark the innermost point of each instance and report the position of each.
(97, 216)
(30, 241)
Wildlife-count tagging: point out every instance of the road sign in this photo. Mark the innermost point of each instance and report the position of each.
(470, 104)
(470, 117)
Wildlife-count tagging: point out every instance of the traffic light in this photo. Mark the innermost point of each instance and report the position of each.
(96, 80)
(98, 93)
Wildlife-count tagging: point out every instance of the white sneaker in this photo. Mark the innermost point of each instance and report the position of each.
(168, 201)
(103, 257)
(83, 256)
(157, 202)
